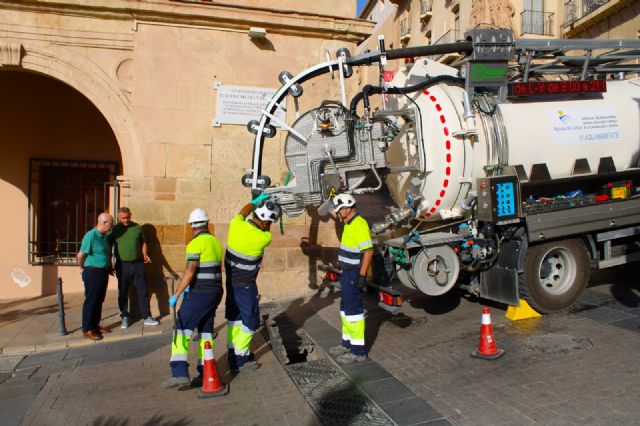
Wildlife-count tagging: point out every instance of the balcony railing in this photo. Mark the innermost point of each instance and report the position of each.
(535, 22)
(577, 9)
(405, 29)
(448, 37)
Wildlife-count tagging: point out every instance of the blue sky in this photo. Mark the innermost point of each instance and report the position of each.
(361, 4)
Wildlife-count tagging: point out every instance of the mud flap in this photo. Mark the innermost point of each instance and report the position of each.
(500, 283)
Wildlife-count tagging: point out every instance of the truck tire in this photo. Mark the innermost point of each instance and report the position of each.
(555, 275)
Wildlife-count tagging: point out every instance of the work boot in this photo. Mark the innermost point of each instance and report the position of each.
(151, 321)
(247, 367)
(338, 350)
(351, 358)
(177, 382)
(196, 382)
(125, 322)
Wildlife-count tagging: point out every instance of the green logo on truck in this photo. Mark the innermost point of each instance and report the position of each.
(484, 72)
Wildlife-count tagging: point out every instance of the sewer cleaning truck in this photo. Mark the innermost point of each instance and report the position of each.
(512, 172)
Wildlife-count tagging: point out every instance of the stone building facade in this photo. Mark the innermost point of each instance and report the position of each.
(110, 103)
(425, 22)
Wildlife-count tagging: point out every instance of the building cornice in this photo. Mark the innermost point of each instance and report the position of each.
(276, 21)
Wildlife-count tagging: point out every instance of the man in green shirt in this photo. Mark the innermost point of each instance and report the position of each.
(94, 259)
(130, 250)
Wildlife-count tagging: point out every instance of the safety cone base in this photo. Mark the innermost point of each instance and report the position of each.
(220, 392)
(496, 355)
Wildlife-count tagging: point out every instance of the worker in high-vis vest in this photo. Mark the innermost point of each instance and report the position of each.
(201, 288)
(354, 257)
(245, 246)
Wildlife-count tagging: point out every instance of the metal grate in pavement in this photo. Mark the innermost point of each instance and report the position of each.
(557, 343)
(333, 396)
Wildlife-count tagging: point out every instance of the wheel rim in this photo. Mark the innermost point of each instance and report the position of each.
(557, 271)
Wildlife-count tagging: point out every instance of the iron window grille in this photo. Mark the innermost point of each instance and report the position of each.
(536, 22)
(577, 9)
(64, 200)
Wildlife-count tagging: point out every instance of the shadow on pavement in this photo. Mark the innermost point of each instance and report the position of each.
(623, 281)
(331, 406)
(8, 317)
(156, 420)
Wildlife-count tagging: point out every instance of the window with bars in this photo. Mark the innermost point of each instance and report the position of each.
(65, 198)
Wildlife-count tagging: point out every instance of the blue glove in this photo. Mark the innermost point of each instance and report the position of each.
(259, 198)
(186, 291)
(172, 301)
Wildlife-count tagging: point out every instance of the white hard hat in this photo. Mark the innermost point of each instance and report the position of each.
(268, 211)
(343, 200)
(198, 217)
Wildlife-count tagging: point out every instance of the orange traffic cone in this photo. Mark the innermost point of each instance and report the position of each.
(211, 385)
(487, 348)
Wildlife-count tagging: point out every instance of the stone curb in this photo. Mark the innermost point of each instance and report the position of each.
(30, 349)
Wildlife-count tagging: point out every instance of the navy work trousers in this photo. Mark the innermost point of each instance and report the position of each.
(243, 315)
(127, 273)
(197, 310)
(95, 288)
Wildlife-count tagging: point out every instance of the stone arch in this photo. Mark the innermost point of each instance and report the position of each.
(108, 96)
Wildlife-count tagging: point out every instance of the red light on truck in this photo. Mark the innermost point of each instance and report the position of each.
(389, 299)
(331, 276)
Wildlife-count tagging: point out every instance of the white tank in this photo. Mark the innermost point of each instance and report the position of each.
(534, 131)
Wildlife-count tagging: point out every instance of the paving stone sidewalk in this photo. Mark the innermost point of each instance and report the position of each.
(116, 381)
(32, 325)
(570, 368)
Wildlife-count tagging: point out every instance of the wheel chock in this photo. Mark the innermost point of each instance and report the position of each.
(524, 311)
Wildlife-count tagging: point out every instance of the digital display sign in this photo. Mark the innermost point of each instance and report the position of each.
(538, 88)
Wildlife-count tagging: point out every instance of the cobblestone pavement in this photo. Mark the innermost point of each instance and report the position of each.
(575, 368)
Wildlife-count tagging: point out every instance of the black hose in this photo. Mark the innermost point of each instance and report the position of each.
(364, 95)
(368, 90)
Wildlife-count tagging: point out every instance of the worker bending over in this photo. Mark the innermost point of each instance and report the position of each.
(245, 246)
(202, 287)
(356, 252)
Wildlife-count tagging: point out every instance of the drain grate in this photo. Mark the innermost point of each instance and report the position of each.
(333, 396)
(557, 343)
(404, 321)
(330, 393)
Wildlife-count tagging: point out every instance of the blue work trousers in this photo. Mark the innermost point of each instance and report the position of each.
(196, 310)
(352, 312)
(243, 316)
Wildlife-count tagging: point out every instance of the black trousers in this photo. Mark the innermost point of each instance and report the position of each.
(128, 272)
(95, 289)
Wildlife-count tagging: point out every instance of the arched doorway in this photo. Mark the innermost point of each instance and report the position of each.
(58, 164)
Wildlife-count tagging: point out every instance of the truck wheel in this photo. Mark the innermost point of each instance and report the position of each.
(555, 275)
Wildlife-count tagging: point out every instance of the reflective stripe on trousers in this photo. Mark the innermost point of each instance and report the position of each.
(197, 310)
(351, 312)
(243, 319)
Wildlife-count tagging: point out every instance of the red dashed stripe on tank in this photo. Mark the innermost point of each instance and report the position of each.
(445, 130)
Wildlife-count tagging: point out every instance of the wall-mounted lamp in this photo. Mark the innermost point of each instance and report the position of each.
(256, 32)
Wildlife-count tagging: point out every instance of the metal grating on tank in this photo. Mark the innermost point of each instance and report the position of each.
(334, 397)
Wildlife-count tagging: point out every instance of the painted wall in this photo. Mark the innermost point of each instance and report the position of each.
(149, 68)
(44, 118)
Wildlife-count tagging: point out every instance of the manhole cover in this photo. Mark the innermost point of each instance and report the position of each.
(404, 321)
(557, 343)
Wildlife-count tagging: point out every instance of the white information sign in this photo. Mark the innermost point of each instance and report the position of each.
(585, 125)
(241, 104)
